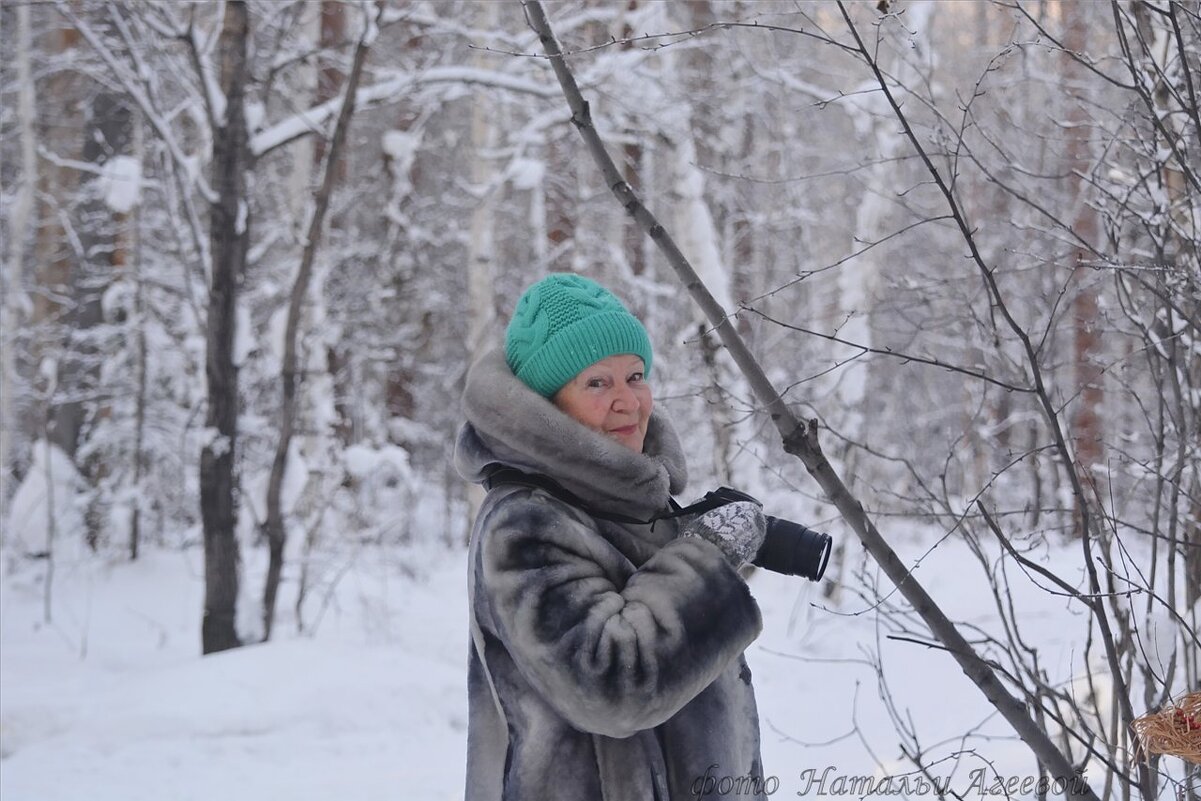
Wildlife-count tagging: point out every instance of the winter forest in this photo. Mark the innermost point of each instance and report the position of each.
(250, 248)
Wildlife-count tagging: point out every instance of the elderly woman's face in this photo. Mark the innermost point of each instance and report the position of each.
(611, 397)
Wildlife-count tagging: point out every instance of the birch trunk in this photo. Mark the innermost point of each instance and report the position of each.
(303, 150)
(316, 29)
(229, 237)
(53, 257)
(1086, 325)
(481, 249)
(699, 242)
(481, 246)
(140, 354)
(12, 282)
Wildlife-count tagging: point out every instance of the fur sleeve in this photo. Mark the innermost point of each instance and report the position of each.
(613, 651)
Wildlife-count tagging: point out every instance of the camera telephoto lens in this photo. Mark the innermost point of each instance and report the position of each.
(794, 550)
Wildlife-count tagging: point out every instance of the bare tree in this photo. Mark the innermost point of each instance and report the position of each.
(275, 525)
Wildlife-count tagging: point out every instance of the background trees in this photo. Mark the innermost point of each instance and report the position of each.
(151, 251)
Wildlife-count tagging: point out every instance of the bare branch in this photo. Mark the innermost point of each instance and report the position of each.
(387, 91)
(1041, 391)
(903, 357)
(1153, 113)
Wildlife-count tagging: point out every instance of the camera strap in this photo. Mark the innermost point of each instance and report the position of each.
(497, 474)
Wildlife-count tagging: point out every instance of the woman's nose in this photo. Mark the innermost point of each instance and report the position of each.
(626, 400)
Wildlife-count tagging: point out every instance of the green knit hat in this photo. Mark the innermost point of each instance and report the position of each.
(564, 323)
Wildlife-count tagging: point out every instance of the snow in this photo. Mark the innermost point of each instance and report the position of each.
(48, 369)
(112, 702)
(526, 173)
(697, 234)
(364, 461)
(1158, 639)
(51, 483)
(114, 298)
(371, 32)
(245, 336)
(212, 88)
(121, 183)
(277, 333)
(256, 112)
(401, 147)
(214, 440)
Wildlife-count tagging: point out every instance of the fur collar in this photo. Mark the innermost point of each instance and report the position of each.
(508, 422)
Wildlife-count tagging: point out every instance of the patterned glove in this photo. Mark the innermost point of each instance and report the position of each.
(737, 528)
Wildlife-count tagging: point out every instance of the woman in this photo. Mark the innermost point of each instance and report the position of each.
(606, 657)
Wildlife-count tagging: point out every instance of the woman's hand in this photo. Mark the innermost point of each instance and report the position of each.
(737, 528)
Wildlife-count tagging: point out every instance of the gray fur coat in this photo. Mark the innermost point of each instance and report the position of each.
(606, 660)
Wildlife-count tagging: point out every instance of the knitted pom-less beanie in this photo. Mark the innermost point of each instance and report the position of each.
(564, 323)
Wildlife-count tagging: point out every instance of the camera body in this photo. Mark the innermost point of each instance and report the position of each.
(788, 547)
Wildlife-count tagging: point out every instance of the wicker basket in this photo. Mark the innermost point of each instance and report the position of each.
(1174, 730)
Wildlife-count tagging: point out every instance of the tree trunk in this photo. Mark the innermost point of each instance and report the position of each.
(744, 269)
(106, 136)
(102, 236)
(274, 526)
(229, 236)
(12, 281)
(481, 252)
(633, 242)
(139, 313)
(52, 255)
(1086, 323)
(560, 195)
(329, 71)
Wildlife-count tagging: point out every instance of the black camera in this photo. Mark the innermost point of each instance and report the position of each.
(788, 547)
(794, 550)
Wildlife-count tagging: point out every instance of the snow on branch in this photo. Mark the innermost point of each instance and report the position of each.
(160, 125)
(492, 40)
(390, 90)
(213, 96)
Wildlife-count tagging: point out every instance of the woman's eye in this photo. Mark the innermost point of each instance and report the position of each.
(636, 378)
(596, 383)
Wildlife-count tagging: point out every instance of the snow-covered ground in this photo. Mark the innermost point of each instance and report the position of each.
(112, 701)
